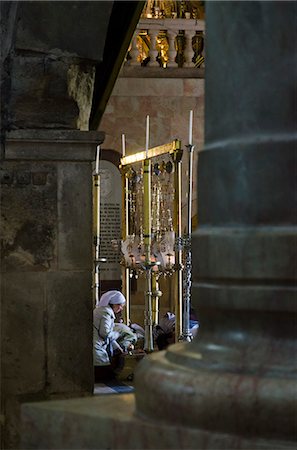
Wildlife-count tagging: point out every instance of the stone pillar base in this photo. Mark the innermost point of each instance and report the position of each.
(205, 391)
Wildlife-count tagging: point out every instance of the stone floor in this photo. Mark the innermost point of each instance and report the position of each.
(123, 383)
(103, 422)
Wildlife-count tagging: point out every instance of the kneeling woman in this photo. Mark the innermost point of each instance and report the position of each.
(108, 339)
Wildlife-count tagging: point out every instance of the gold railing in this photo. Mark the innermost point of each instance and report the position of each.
(167, 43)
(167, 9)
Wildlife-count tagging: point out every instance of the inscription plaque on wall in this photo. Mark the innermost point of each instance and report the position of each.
(110, 219)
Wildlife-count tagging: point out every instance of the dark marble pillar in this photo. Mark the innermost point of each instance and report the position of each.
(239, 375)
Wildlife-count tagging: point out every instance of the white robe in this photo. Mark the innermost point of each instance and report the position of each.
(105, 328)
(103, 324)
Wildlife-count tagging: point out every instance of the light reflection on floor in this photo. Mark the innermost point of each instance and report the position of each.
(113, 387)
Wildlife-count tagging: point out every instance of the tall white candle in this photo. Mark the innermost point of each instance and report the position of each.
(123, 146)
(191, 128)
(147, 135)
(97, 159)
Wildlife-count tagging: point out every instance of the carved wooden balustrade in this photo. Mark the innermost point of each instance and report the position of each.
(167, 43)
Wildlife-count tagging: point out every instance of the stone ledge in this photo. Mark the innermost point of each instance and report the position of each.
(159, 72)
(63, 145)
(42, 135)
(103, 422)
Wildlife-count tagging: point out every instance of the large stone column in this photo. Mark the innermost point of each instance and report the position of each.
(48, 63)
(239, 375)
(46, 269)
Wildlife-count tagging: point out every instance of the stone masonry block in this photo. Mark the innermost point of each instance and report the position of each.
(28, 218)
(23, 350)
(75, 227)
(69, 331)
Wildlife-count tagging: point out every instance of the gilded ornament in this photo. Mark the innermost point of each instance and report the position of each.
(143, 43)
(180, 45)
(162, 46)
(197, 46)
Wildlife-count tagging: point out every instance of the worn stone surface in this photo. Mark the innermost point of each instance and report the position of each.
(261, 50)
(69, 323)
(258, 253)
(7, 26)
(257, 184)
(23, 346)
(49, 92)
(99, 423)
(28, 216)
(44, 27)
(193, 389)
(23, 349)
(48, 66)
(37, 145)
(80, 87)
(74, 200)
(46, 270)
(244, 297)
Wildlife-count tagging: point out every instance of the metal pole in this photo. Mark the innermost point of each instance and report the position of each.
(96, 227)
(147, 227)
(186, 333)
(127, 270)
(178, 276)
(125, 233)
(96, 236)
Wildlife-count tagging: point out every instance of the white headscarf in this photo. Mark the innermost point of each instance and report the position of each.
(111, 298)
